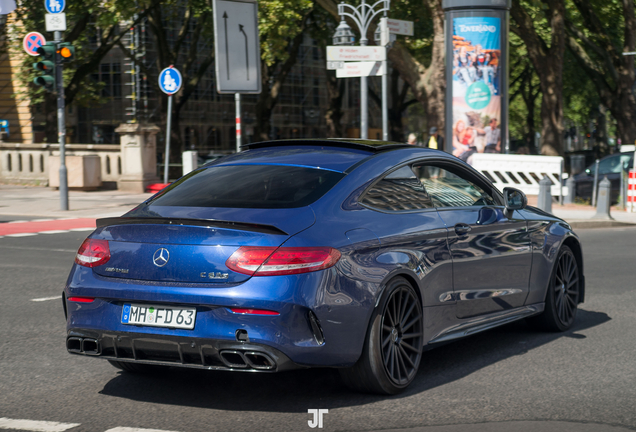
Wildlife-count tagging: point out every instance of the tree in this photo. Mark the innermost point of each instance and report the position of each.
(542, 29)
(282, 25)
(598, 34)
(94, 29)
(409, 56)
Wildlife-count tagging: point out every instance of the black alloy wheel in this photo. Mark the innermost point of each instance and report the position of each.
(562, 297)
(394, 343)
(566, 288)
(402, 335)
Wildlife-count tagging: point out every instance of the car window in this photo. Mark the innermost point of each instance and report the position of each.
(400, 190)
(609, 165)
(249, 186)
(447, 189)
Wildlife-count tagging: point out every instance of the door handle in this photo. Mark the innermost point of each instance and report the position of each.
(462, 229)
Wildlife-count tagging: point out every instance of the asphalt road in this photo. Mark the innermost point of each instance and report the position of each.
(510, 378)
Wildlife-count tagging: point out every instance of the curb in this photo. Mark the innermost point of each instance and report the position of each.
(599, 223)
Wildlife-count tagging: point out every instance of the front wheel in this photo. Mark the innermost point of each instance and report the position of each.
(562, 298)
(393, 347)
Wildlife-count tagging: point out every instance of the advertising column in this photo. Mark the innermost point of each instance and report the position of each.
(476, 76)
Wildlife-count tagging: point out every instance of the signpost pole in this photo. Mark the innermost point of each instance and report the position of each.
(61, 125)
(167, 157)
(364, 96)
(385, 80)
(237, 98)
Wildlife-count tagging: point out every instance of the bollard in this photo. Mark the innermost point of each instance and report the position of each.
(570, 184)
(545, 195)
(595, 187)
(604, 200)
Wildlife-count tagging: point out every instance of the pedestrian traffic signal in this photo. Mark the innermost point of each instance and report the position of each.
(66, 51)
(46, 65)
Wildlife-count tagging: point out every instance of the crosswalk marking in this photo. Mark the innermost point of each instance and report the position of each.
(46, 298)
(127, 429)
(49, 426)
(35, 426)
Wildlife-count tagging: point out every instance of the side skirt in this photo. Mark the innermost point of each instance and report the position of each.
(483, 323)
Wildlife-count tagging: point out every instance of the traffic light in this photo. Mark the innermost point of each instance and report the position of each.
(67, 52)
(46, 65)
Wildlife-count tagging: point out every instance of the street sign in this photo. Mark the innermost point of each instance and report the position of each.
(356, 53)
(170, 81)
(55, 22)
(237, 48)
(4, 124)
(360, 69)
(400, 27)
(7, 6)
(55, 6)
(32, 41)
(333, 65)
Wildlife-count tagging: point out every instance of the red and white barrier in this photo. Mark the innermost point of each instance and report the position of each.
(631, 193)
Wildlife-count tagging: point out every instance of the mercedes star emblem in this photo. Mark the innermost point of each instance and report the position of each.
(161, 257)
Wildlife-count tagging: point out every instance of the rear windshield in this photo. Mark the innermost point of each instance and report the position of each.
(249, 186)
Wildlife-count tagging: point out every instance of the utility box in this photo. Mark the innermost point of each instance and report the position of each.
(84, 172)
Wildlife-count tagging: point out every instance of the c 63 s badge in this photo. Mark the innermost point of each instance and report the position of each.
(214, 276)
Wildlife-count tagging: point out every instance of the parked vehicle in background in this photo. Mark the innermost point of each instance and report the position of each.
(610, 167)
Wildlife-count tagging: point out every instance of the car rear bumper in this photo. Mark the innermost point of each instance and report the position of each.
(334, 340)
(211, 354)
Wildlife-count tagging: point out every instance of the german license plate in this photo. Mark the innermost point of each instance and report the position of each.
(158, 316)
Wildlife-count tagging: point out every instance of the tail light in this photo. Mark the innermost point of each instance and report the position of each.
(271, 261)
(81, 299)
(93, 253)
(253, 311)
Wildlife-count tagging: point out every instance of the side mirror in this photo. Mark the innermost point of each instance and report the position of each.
(514, 199)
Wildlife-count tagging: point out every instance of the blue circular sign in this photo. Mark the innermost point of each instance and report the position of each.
(55, 6)
(170, 80)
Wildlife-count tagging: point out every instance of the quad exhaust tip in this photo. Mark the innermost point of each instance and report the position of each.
(244, 360)
(83, 346)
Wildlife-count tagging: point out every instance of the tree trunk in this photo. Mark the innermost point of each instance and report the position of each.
(428, 84)
(548, 63)
(333, 115)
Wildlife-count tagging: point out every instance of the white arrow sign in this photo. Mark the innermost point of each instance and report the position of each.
(237, 48)
(360, 69)
(356, 53)
(400, 27)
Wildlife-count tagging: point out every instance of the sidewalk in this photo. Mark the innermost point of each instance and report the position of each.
(30, 201)
(44, 202)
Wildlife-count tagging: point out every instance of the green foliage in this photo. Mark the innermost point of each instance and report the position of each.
(88, 23)
(279, 22)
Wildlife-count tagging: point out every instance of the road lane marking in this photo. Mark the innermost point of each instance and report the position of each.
(46, 298)
(22, 235)
(127, 429)
(35, 426)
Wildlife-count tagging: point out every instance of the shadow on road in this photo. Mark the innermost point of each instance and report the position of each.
(296, 391)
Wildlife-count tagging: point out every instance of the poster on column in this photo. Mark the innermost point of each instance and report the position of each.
(476, 86)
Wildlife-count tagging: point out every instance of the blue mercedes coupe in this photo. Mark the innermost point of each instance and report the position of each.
(357, 255)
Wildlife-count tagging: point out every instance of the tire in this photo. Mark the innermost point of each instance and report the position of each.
(562, 297)
(393, 347)
(138, 368)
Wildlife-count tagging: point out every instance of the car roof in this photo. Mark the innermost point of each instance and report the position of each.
(371, 146)
(338, 155)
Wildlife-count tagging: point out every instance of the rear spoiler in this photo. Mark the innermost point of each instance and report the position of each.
(265, 229)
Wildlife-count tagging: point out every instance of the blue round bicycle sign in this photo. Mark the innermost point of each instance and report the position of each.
(55, 6)
(170, 80)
